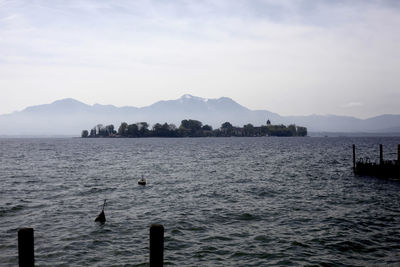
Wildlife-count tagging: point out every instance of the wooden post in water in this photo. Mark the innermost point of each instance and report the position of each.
(156, 245)
(354, 157)
(398, 153)
(380, 154)
(26, 255)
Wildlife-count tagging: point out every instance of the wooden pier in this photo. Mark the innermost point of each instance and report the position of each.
(383, 168)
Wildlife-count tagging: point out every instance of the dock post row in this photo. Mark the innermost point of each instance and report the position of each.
(380, 154)
(26, 257)
(388, 168)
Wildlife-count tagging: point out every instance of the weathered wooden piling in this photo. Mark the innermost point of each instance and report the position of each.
(354, 157)
(26, 255)
(398, 154)
(380, 154)
(156, 245)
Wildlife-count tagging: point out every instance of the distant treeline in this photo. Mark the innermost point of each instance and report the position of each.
(192, 128)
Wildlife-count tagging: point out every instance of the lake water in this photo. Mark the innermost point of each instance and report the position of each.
(222, 201)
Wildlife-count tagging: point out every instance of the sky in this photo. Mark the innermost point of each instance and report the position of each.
(296, 57)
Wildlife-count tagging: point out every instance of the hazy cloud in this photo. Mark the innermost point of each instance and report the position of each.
(292, 57)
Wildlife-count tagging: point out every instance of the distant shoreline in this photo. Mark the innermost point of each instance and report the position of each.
(351, 134)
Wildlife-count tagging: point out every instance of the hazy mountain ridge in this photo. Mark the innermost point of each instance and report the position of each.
(69, 117)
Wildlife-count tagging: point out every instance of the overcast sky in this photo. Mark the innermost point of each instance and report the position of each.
(290, 57)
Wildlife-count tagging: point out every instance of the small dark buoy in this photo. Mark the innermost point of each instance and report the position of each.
(142, 181)
(101, 217)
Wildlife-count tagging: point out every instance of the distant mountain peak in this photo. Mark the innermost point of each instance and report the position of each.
(197, 98)
(62, 105)
(186, 96)
(68, 101)
(191, 97)
(224, 98)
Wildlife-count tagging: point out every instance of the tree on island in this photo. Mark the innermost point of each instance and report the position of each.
(85, 133)
(132, 130)
(123, 129)
(191, 128)
(163, 130)
(248, 129)
(206, 128)
(226, 129)
(143, 129)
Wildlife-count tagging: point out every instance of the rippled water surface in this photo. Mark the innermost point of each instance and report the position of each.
(222, 201)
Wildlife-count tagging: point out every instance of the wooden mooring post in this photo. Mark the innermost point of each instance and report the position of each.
(380, 154)
(26, 257)
(398, 154)
(156, 245)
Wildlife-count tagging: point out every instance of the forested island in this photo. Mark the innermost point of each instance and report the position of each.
(192, 128)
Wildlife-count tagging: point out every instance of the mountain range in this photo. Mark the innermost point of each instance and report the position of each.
(70, 117)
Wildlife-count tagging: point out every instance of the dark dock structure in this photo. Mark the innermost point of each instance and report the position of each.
(383, 168)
